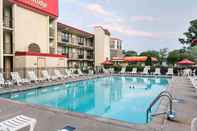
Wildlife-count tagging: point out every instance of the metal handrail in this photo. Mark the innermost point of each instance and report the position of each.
(162, 94)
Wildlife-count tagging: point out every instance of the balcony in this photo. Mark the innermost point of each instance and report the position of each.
(7, 48)
(51, 33)
(7, 22)
(89, 57)
(80, 43)
(81, 56)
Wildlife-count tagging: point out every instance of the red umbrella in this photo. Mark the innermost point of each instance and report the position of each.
(186, 62)
(107, 62)
(194, 42)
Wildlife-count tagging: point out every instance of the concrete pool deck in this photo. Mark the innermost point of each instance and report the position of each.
(53, 119)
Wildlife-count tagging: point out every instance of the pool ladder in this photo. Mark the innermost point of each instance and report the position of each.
(170, 114)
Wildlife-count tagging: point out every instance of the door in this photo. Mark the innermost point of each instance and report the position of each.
(41, 65)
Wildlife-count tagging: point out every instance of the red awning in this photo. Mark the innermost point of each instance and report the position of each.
(107, 62)
(139, 59)
(186, 62)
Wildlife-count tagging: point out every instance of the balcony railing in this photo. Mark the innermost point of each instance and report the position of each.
(80, 43)
(7, 21)
(89, 57)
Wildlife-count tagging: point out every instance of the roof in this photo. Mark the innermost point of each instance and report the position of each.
(113, 38)
(117, 59)
(134, 59)
(67, 28)
(107, 32)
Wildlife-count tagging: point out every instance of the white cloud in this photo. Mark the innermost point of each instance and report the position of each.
(126, 30)
(144, 18)
(98, 9)
(121, 25)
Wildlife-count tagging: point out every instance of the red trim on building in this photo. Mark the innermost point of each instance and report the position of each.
(20, 53)
(52, 10)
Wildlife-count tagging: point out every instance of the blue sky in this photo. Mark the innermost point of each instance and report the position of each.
(141, 24)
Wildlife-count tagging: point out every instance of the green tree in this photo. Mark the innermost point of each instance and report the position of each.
(190, 35)
(177, 55)
(151, 53)
(148, 61)
(130, 53)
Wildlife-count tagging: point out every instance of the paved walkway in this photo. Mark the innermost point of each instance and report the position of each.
(187, 108)
(52, 119)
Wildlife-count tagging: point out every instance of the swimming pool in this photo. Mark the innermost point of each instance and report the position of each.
(115, 97)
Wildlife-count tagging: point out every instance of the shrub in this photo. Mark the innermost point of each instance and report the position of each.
(117, 68)
(129, 68)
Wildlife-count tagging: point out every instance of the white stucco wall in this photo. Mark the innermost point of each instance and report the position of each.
(32, 62)
(30, 27)
(102, 46)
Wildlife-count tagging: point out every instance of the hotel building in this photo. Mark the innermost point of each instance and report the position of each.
(115, 48)
(28, 35)
(31, 38)
(77, 45)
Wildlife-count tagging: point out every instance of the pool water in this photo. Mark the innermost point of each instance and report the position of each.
(119, 98)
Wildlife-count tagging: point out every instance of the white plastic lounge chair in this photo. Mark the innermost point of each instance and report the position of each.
(106, 71)
(70, 74)
(111, 70)
(80, 72)
(33, 77)
(134, 71)
(90, 72)
(157, 71)
(4, 82)
(46, 76)
(170, 71)
(187, 72)
(145, 71)
(193, 81)
(123, 70)
(17, 79)
(18, 123)
(59, 75)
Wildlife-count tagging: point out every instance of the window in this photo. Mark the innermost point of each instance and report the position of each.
(80, 40)
(65, 37)
(34, 48)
